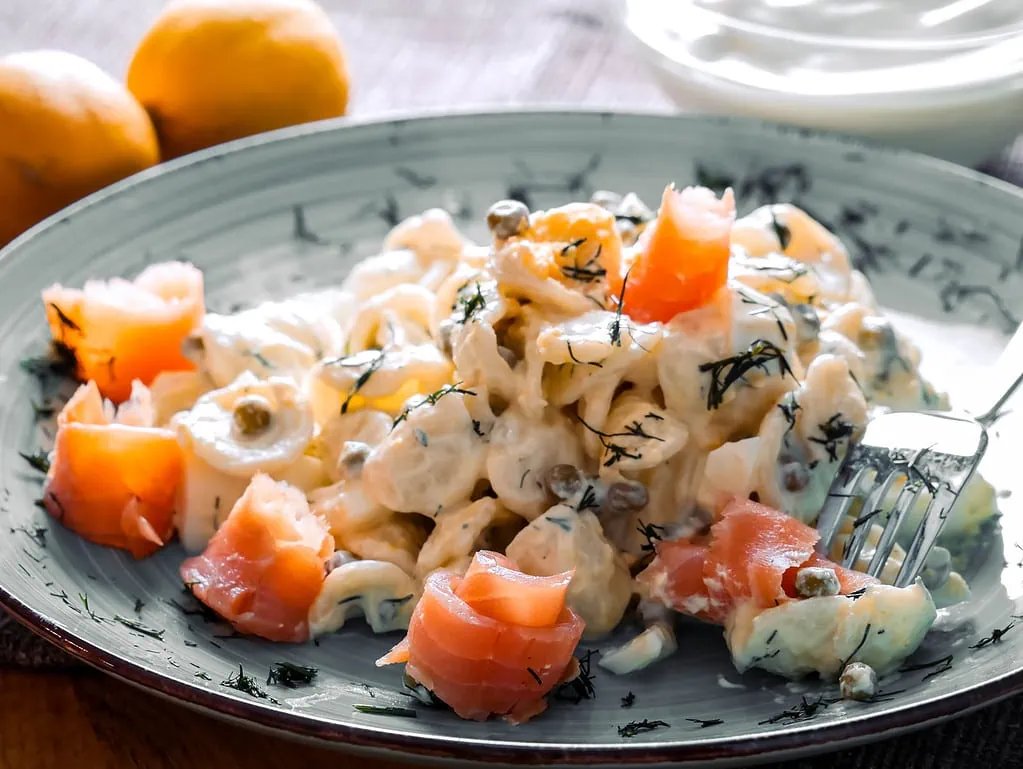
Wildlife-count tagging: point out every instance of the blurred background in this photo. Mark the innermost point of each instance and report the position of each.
(940, 76)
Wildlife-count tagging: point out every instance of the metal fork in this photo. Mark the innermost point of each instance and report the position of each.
(933, 451)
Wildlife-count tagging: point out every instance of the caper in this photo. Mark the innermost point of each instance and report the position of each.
(623, 497)
(507, 356)
(252, 414)
(858, 682)
(338, 559)
(606, 199)
(564, 481)
(353, 456)
(795, 476)
(815, 581)
(507, 218)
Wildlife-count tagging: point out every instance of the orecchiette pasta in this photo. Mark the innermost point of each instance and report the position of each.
(484, 524)
(379, 591)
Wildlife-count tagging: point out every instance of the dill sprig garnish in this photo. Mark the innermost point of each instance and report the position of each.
(290, 675)
(854, 652)
(581, 687)
(472, 305)
(65, 321)
(431, 400)
(571, 355)
(584, 273)
(706, 722)
(138, 627)
(833, 432)
(39, 461)
(628, 700)
(203, 675)
(995, 637)
(726, 372)
(477, 427)
(535, 676)
(61, 363)
(246, 685)
(804, 710)
(617, 452)
(85, 602)
(364, 377)
(633, 728)
(936, 667)
(382, 710)
(614, 328)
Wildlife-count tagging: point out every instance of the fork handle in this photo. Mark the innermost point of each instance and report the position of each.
(1005, 377)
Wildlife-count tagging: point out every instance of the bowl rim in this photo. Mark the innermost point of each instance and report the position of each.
(778, 745)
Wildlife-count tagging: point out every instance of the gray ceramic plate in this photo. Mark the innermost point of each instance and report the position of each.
(294, 211)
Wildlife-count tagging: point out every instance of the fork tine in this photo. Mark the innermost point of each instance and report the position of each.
(841, 496)
(871, 508)
(904, 503)
(926, 534)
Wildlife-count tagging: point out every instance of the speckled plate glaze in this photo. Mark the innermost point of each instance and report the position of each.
(294, 210)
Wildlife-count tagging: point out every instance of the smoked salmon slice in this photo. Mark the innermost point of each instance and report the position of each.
(461, 647)
(124, 330)
(113, 476)
(752, 555)
(681, 260)
(264, 567)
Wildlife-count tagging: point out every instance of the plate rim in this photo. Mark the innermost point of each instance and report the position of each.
(816, 738)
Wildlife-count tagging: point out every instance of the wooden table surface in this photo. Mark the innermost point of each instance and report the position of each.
(404, 55)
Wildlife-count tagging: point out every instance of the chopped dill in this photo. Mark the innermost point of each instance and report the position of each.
(262, 360)
(628, 700)
(652, 532)
(65, 321)
(617, 452)
(833, 432)
(804, 710)
(653, 416)
(431, 400)
(995, 637)
(536, 676)
(944, 663)
(85, 602)
(472, 305)
(290, 675)
(615, 326)
(866, 634)
(781, 231)
(138, 627)
(203, 676)
(726, 372)
(584, 273)
(581, 687)
(246, 685)
(633, 728)
(706, 722)
(42, 410)
(636, 428)
(788, 407)
(421, 437)
(562, 523)
(477, 428)
(571, 355)
(380, 710)
(39, 461)
(772, 636)
(192, 644)
(61, 363)
(371, 369)
(588, 500)
(37, 534)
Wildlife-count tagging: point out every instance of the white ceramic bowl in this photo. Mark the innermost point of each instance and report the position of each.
(957, 98)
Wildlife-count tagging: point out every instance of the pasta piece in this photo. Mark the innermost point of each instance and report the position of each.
(273, 339)
(174, 391)
(562, 540)
(786, 229)
(431, 460)
(728, 475)
(397, 317)
(374, 275)
(362, 526)
(227, 437)
(527, 270)
(521, 451)
(722, 367)
(379, 591)
(638, 436)
(891, 361)
(481, 525)
(431, 236)
(804, 439)
(376, 379)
